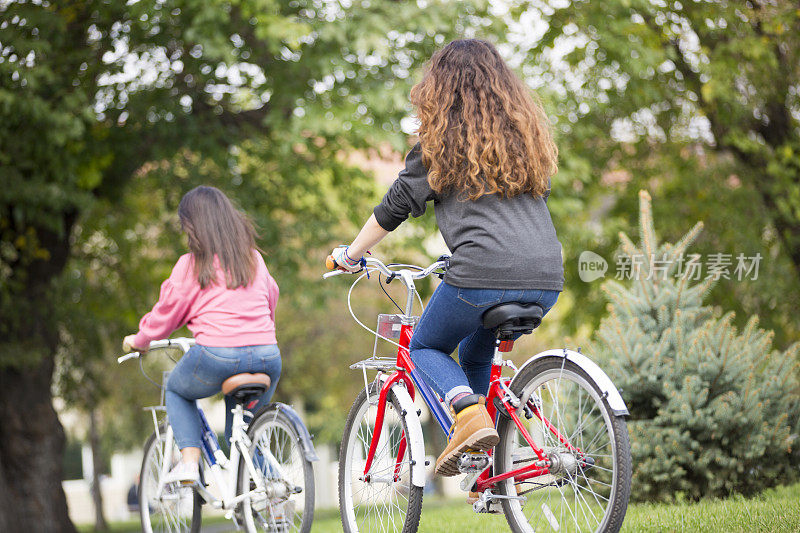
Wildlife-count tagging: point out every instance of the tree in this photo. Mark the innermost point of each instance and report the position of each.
(697, 101)
(713, 410)
(92, 91)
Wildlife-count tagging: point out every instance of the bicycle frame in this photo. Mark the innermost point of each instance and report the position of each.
(407, 375)
(224, 470)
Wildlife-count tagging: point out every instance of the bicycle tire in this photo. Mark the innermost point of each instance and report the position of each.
(148, 479)
(532, 378)
(351, 446)
(274, 517)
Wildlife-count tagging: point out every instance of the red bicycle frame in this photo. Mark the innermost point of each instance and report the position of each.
(407, 374)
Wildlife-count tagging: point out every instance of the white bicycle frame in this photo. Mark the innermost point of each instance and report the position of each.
(224, 470)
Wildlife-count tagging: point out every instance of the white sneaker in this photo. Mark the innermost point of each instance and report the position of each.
(183, 473)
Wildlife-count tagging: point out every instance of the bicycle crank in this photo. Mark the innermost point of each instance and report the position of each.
(489, 502)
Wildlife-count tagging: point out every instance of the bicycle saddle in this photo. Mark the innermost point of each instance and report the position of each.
(243, 386)
(509, 319)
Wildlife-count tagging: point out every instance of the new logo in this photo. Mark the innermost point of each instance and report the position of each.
(591, 266)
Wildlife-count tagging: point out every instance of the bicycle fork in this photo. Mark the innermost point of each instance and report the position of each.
(412, 438)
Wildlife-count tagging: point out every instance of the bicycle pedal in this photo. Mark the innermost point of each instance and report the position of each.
(471, 462)
(486, 503)
(492, 508)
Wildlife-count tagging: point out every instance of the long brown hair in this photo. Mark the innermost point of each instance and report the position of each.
(216, 228)
(481, 130)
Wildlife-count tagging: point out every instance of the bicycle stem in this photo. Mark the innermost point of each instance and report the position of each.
(411, 289)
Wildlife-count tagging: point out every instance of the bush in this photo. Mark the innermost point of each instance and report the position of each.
(713, 410)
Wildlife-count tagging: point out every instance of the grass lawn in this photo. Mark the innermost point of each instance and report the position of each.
(776, 510)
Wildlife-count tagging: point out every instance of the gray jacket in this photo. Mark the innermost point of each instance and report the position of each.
(496, 242)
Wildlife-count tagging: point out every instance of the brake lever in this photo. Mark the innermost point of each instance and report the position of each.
(390, 277)
(446, 259)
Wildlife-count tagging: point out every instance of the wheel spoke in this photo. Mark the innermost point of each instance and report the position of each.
(382, 503)
(278, 460)
(175, 509)
(584, 485)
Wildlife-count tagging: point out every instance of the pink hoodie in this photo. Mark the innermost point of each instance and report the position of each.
(216, 315)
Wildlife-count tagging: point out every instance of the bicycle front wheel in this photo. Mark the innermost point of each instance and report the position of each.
(287, 475)
(587, 484)
(174, 508)
(383, 499)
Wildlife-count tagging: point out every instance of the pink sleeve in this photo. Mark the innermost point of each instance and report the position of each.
(171, 310)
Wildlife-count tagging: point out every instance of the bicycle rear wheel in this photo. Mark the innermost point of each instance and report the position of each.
(285, 472)
(385, 500)
(177, 508)
(588, 484)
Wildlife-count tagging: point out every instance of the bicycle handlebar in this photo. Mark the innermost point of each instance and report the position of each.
(378, 265)
(183, 343)
(132, 355)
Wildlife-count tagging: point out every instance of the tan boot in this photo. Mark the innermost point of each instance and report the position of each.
(472, 430)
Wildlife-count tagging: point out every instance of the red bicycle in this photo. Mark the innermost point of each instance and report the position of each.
(563, 461)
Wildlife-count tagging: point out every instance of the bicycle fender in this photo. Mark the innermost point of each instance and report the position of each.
(614, 398)
(297, 423)
(414, 438)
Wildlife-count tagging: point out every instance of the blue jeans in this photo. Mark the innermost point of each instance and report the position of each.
(453, 318)
(200, 373)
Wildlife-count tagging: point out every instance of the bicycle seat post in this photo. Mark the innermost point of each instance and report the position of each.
(501, 347)
(238, 420)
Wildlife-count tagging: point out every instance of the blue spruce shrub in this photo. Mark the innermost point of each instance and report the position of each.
(713, 410)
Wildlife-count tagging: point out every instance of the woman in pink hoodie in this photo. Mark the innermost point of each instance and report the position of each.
(223, 292)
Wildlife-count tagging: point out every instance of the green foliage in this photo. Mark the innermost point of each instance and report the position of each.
(265, 100)
(273, 92)
(696, 101)
(713, 410)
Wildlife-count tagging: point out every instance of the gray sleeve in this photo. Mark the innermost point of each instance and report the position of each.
(408, 195)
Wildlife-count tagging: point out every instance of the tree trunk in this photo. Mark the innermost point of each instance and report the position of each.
(97, 494)
(31, 436)
(31, 449)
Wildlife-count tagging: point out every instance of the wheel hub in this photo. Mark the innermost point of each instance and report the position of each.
(563, 463)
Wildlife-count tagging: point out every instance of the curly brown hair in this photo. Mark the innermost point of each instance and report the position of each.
(481, 130)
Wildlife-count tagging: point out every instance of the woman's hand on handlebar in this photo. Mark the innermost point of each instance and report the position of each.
(129, 346)
(339, 259)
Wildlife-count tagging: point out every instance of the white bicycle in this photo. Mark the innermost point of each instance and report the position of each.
(267, 482)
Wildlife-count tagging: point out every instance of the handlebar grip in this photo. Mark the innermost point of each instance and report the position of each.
(330, 263)
(125, 357)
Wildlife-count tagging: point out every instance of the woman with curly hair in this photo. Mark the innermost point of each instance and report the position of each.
(484, 158)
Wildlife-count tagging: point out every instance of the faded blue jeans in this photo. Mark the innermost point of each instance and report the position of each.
(453, 318)
(200, 373)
